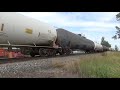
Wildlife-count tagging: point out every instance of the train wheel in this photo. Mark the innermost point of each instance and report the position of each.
(54, 53)
(68, 51)
(41, 52)
(60, 51)
(49, 52)
(86, 52)
(32, 54)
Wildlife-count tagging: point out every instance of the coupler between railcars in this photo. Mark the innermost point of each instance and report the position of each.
(65, 51)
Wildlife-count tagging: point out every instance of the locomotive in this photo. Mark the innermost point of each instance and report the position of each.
(40, 38)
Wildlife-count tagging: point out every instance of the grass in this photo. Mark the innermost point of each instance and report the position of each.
(105, 65)
(57, 64)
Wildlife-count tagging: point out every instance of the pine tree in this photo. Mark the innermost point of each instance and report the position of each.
(117, 36)
(104, 42)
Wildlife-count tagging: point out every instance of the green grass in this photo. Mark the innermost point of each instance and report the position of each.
(105, 65)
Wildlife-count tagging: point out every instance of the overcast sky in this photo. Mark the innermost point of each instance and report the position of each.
(93, 25)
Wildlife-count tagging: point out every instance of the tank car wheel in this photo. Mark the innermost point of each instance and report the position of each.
(68, 51)
(51, 52)
(32, 54)
(60, 51)
(86, 52)
(41, 52)
(54, 53)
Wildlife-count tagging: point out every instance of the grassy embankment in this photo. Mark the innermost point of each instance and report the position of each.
(105, 65)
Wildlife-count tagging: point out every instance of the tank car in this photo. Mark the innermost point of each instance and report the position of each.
(98, 47)
(111, 49)
(68, 40)
(19, 30)
(105, 48)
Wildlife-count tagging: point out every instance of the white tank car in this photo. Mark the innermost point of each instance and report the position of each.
(111, 49)
(98, 47)
(17, 29)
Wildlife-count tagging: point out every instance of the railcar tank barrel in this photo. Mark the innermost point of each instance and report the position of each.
(22, 30)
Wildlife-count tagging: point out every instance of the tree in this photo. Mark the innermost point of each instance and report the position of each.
(105, 43)
(117, 36)
(116, 48)
(118, 17)
(114, 37)
(102, 40)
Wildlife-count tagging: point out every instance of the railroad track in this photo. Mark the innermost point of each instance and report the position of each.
(13, 60)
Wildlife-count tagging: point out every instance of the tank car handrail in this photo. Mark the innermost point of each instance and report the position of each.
(7, 45)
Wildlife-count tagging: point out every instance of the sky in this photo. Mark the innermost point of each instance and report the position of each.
(93, 25)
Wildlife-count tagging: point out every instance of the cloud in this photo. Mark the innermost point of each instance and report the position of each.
(71, 19)
(89, 24)
(48, 17)
(38, 14)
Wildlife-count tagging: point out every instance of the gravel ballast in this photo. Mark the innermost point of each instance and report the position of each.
(42, 68)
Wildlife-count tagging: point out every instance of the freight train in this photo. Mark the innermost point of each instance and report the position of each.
(70, 41)
(40, 38)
